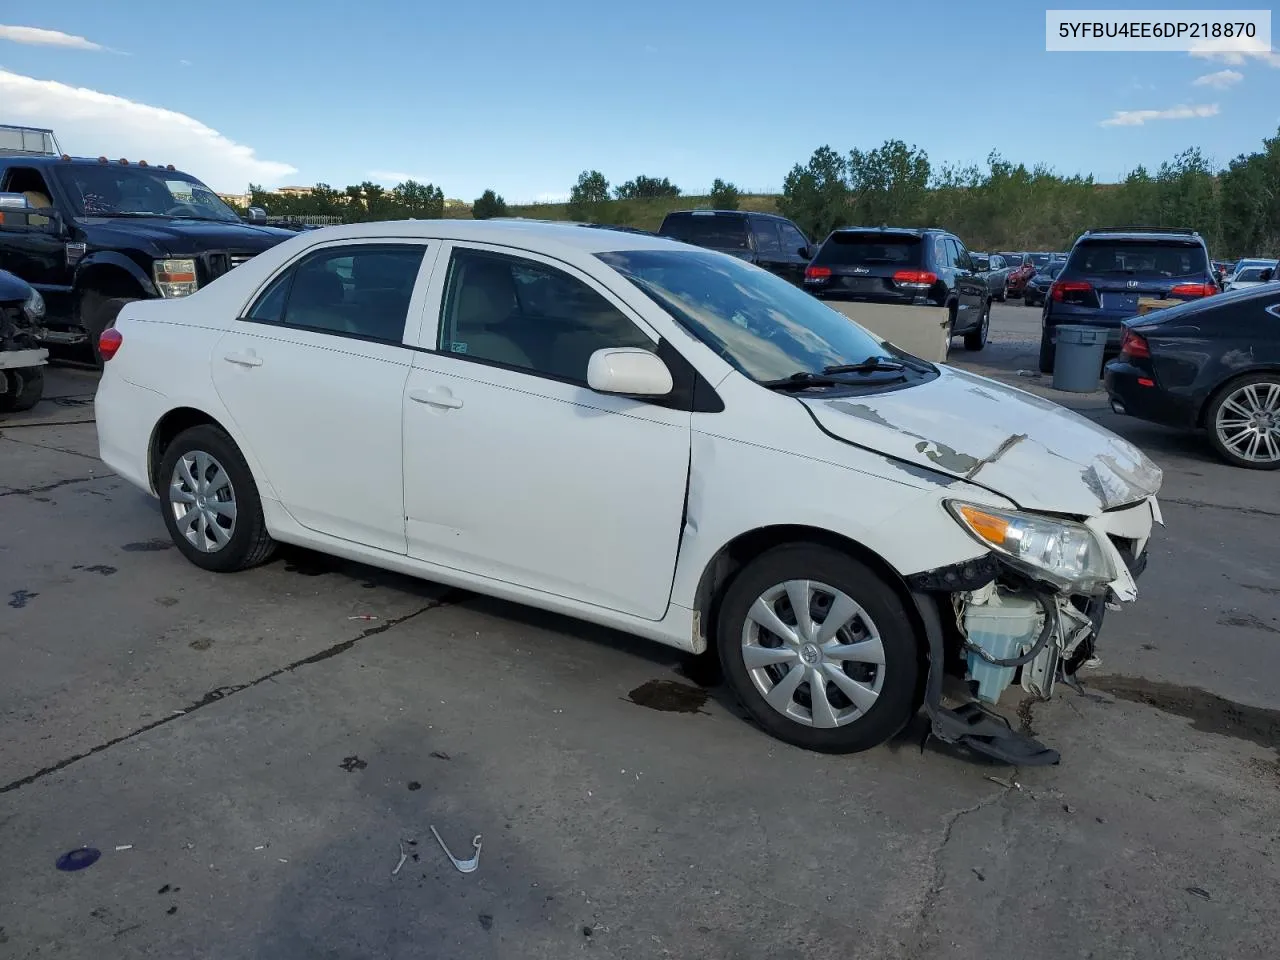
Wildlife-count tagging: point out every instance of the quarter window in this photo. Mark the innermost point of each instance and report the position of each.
(356, 291)
(523, 314)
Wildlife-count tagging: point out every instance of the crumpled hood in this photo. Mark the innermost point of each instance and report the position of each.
(1040, 455)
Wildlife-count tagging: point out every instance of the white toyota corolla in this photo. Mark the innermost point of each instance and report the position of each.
(647, 435)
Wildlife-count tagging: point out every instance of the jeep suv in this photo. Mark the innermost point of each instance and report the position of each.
(919, 266)
(1110, 268)
(767, 240)
(91, 235)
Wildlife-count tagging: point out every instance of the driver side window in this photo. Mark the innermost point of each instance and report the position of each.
(523, 314)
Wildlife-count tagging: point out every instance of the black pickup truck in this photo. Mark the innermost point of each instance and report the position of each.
(92, 234)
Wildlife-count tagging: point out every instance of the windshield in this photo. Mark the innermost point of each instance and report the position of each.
(1053, 269)
(111, 190)
(764, 326)
(708, 230)
(1040, 259)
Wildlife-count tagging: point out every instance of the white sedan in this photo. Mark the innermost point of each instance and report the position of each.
(647, 435)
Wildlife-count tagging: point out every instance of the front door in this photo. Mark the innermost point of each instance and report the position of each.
(314, 378)
(515, 470)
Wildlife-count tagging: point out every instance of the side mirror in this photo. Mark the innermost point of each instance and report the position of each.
(629, 371)
(257, 216)
(807, 252)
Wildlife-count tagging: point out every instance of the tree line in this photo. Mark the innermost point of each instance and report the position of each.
(996, 205)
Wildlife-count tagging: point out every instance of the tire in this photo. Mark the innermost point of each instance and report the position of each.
(1047, 353)
(26, 387)
(886, 692)
(1256, 394)
(977, 339)
(248, 543)
(97, 313)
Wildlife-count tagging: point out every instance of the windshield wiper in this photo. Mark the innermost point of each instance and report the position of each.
(803, 379)
(869, 365)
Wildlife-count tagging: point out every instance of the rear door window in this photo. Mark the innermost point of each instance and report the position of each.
(716, 231)
(1139, 259)
(872, 247)
(793, 240)
(766, 234)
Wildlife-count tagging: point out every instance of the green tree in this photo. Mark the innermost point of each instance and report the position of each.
(724, 196)
(816, 195)
(421, 201)
(591, 187)
(888, 184)
(646, 188)
(488, 205)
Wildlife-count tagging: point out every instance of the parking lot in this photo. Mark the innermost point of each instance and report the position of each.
(252, 754)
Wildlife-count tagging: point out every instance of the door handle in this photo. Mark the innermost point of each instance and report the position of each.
(436, 397)
(244, 359)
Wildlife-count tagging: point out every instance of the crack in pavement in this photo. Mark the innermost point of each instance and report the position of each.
(221, 693)
(44, 446)
(45, 488)
(1219, 506)
(934, 893)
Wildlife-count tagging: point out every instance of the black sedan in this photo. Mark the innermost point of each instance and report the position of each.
(1037, 287)
(1211, 364)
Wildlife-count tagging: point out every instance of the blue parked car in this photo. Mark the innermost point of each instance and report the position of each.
(1108, 269)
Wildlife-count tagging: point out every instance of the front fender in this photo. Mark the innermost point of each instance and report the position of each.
(114, 260)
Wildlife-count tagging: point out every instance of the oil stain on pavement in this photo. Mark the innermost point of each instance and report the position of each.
(1207, 711)
(669, 696)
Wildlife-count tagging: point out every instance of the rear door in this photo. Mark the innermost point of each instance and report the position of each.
(764, 232)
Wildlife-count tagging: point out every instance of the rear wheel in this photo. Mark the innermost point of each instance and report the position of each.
(24, 388)
(819, 649)
(211, 503)
(1244, 422)
(1046, 353)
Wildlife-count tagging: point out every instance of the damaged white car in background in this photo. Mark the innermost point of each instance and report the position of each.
(646, 435)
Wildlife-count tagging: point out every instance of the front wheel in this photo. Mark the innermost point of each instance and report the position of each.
(25, 387)
(211, 503)
(977, 338)
(1244, 422)
(819, 649)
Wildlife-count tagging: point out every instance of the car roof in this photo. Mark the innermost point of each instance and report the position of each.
(546, 236)
(1146, 236)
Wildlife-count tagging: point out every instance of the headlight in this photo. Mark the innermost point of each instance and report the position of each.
(1062, 551)
(34, 307)
(174, 278)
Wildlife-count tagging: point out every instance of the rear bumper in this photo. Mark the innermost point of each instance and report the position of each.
(1131, 397)
(126, 414)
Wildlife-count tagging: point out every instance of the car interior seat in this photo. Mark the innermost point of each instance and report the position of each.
(486, 301)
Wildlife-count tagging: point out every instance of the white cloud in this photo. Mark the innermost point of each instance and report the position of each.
(90, 122)
(37, 37)
(1217, 50)
(185, 63)
(1220, 80)
(1136, 118)
(397, 177)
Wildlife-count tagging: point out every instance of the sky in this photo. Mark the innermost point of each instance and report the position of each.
(521, 98)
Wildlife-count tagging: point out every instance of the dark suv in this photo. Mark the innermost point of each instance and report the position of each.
(91, 235)
(1110, 268)
(768, 241)
(908, 265)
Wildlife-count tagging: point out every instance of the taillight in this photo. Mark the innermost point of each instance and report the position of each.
(817, 273)
(1134, 345)
(109, 343)
(1077, 288)
(1193, 290)
(916, 278)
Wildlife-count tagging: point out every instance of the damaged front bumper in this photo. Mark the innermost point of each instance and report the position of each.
(992, 624)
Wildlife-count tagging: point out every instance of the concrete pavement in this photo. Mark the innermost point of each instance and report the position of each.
(265, 752)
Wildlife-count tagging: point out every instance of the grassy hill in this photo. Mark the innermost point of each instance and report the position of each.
(645, 214)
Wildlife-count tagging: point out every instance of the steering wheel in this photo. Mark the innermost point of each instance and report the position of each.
(178, 209)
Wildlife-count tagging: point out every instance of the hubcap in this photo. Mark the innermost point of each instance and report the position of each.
(813, 653)
(1248, 423)
(203, 501)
